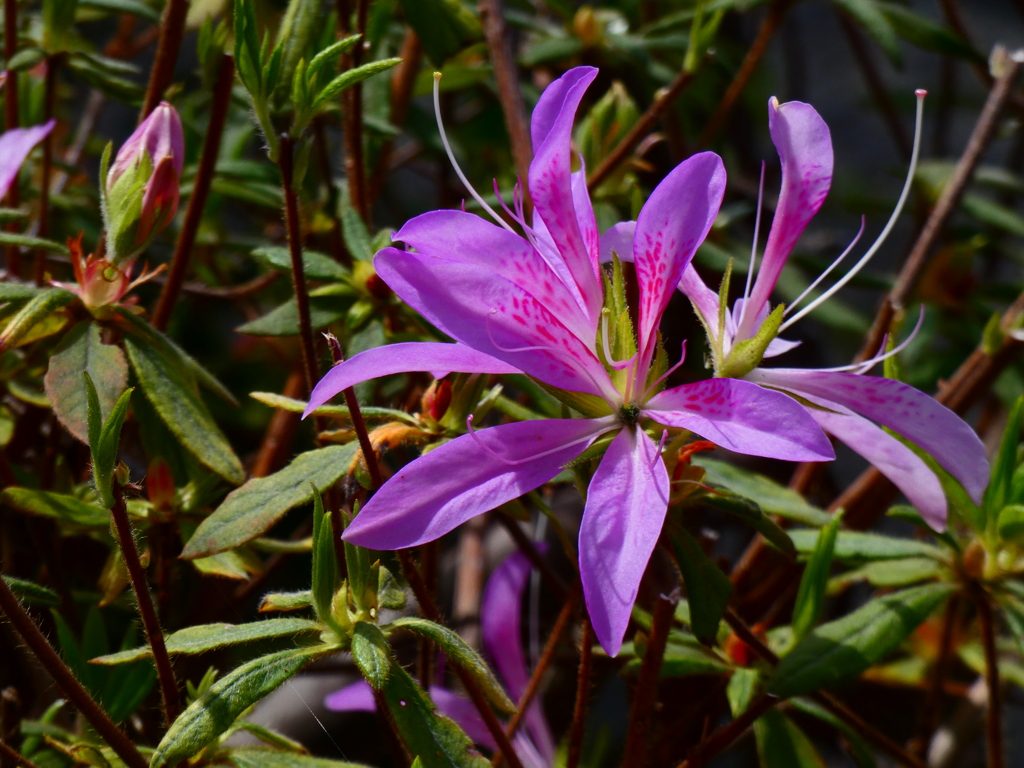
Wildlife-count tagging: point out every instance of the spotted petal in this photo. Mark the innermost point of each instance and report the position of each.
(466, 477)
(491, 314)
(805, 149)
(626, 505)
(742, 417)
(901, 408)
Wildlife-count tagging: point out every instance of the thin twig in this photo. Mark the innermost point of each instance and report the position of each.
(220, 103)
(725, 736)
(579, 712)
(933, 701)
(352, 112)
(151, 624)
(739, 82)
(469, 580)
(12, 757)
(644, 125)
(647, 683)
(993, 710)
(431, 612)
(293, 229)
(172, 30)
(66, 681)
(507, 76)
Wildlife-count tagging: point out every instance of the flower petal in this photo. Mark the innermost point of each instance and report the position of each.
(626, 505)
(470, 475)
(402, 358)
(551, 185)
(501, 631)
(464, 237)
(805, 149)
(460, 709)
(15, 145)
(618, 238)
(901, 408)
(902, 466)
(673, 222)
(357, 697)
(704, 299)
(742, 417)
(489, 313)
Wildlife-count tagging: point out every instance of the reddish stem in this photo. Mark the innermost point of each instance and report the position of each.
(172, 30)
(579, 713)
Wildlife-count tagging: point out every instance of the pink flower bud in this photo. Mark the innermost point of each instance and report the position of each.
(160, 136)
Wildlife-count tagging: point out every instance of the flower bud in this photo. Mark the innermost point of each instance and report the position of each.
(142, 186)
(436, 400)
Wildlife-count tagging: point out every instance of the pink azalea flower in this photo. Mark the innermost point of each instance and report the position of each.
(534, 305)
(843, 401)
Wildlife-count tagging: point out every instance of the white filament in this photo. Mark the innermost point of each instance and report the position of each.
(870, 363)
(826, 273)
(753, 249)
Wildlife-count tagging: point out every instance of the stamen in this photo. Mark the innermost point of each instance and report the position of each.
(888, 227)
(753, 247)
(661, 447)
(867, 365)
(823, 275)
(665, 375)
(519, 462)
(451, 157)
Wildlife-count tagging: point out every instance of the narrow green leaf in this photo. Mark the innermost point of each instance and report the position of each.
(18, 291)
(330, 55)
(743, 686)
(80, 350)
(104, 455)
(94, 417)
(839, 651)
(297, 32)
(926, 34)
(810, 598)
(251, 510)
(871, 19)
(286, 601)
(774, 499)
(371, 653)
(37, 311)
(363, 581)
(444, 26)
(315, 265)
(283, 320)
(214, 712)
(707, 588)
(351, 77)
(32, 593)
(750, 513)
(208, 637)
(855, 545)
(1011, 522)
(353, 229)
(122, 6)
(325, 564)
(901, 572)
(260, 757)
(274, 400)
(460, 654)
(686, 659)
(27, 241)
(1013, 610)
(56, 505)
(861, 752)
(997, 495)
(781, 744)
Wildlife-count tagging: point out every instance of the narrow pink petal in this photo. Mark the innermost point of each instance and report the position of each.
(357, 697)
(742, 417)
(466, 477)
(805, 149)
(626, 505)
(15, 145)
(901, 408)
(619, 238)
(501, 631)
(703, 298)
(779, 346)
(551, 185)
(487, 312)
(585, 217)
(673, 222)
(465, 237)
(890, 457)
(404, 357)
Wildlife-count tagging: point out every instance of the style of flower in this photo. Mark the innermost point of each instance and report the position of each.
(501, 631)
(537, 305)
(842, 400)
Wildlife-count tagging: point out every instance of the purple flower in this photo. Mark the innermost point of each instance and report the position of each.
(843, 401)
(537, 305)
(502, 636)
(15, 146)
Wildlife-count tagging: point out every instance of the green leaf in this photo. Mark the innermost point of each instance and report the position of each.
(707, 588)
(1013, 610)
(869, 16)
(316, 266)
(997, 494)
(444, 26)
(57, 505)
(171, 390)
(27, 241)
(926, 34)
(32, 593)
(122, 6)
(774, 499)
(104, 440)
(274, 400)
(838, 651)
(810, 598)
(371, 653)
(743, 686)
(750, 513)
(353, 229)
(259, 757)
(686, 659)
(18, 291)
(283, 320)
(781, 744)
(39, 310)
(901, 572)
(286, 601)
(82, 350)
(862, 754)
(329, 55)
(855, 545)
(251, 510)
(460, 654)
(58, 18)
(992, 213)
(325, 564)
(363, 580)
(214, 712)
(208, 637)
(1011, 522)
(351, 77)
(298, 30)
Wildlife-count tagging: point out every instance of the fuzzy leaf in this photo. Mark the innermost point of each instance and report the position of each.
(316, 266)
(38, 311)
(32, 593)
(260, 757)
(774, 499)
(57, 505)
(325, 564)
(27, 241)
(283, 320)
(855, 545)
(371, 653)
(347, 79)
(810, 598)
(286, 601)
(750, 513)
(707, 588)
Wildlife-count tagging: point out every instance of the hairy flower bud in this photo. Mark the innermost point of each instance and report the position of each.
(142, 185)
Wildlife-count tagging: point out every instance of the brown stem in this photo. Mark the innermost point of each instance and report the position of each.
(150, 622)
(507, 76)
(739, 82)
(49, 93)
(431, 612)
(11, 118)
(352, 113)
(66, 680)
(278, 437)
(579, 712)
(293, 229)
(172, 30)
(933, 701)
(469, 580)
(546, 656)
(12, 758)
(643, 126)
(729, 733)
(647, 683)
(323, 160)
(993, 711)
(200, 190)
